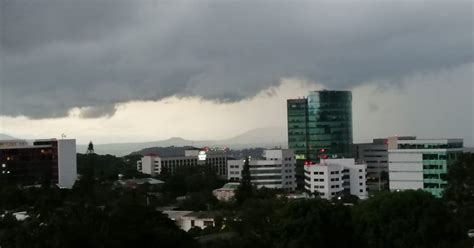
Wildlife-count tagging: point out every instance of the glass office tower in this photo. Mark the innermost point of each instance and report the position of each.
(320, 125)
(297, 110)
(329, 124)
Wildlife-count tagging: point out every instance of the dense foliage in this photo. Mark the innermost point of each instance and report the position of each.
(99, 212)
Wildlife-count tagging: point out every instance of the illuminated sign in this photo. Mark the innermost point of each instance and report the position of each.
(300, 156)
(202, 155)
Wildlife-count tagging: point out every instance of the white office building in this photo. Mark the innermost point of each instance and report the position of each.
(153, 164)
(276, 170)
(333, 177)
(421, 163)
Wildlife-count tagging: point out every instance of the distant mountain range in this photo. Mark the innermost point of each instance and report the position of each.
(6, 137)
(260, 137)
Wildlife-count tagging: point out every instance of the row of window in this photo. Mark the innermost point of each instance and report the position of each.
(430, 146)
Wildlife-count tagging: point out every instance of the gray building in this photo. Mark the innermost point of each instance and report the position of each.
(375, 155)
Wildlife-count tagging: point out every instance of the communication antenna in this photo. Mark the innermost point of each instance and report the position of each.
(63, 136)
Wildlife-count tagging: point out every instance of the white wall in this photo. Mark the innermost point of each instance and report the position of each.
(67, 163)
(332, 177)
(280, 160)
(405, 169)
(148, 165)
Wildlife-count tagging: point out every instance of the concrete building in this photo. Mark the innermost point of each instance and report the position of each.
(276, 170)
(334, 177)
(153, 164)
(188, 219)
(421, 163)
(375, 155)
(39, 161)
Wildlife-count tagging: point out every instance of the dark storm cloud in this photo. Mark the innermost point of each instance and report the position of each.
(57, 55)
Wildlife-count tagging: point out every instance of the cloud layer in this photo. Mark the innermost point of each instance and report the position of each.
(59, 55)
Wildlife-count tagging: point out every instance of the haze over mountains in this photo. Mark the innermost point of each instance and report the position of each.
(260, 137)
(6, 137)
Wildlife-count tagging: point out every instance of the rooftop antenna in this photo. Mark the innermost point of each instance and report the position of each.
(63, 136)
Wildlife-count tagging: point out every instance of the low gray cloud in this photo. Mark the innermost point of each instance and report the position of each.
(57, 55)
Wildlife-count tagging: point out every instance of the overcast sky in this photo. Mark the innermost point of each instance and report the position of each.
(120, 70)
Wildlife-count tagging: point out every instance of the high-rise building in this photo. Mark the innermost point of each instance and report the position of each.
(421, 163)
(335, 177)
(297, 110)
(319, 126)
(38, 162)
(276, 170)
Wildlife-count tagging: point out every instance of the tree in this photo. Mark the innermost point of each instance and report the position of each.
(459, 193)
(90, 148)
(404, 219)
(245, 189)
(313, 223)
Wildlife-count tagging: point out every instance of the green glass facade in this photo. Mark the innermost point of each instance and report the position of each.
(329, 123)
(323, 120)
(436, 158)
(297, 110)
(435, 168)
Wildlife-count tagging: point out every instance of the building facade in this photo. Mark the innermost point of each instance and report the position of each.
(276, 170)
(319, 126)
(38, 162)
(334, 177)
(297, 110)
(375, 155)
(421, 163)
(153, 164)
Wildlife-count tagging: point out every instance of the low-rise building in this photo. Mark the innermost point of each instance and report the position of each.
(188, 219)
(35, 162)
(154, 164)
(276, 170)
(375, 155)
(334, 177)
(226, 192)
(421, 163)
(135, 182)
